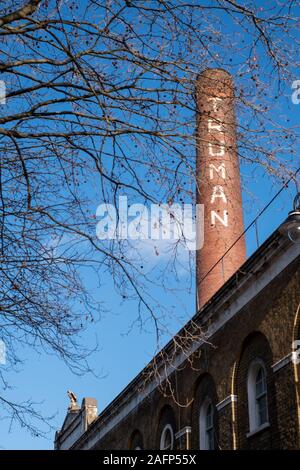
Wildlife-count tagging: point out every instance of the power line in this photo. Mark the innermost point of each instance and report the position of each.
(285, 185)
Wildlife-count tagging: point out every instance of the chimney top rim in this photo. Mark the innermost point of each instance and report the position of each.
(209, 71)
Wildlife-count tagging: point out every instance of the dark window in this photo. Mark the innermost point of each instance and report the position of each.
(261, 397)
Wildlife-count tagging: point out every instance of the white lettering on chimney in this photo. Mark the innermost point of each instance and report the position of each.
(217, 149)
(218, 191)
(220, 150)
(220, 170)
(215, 216)
(215, 99)
(214, 126)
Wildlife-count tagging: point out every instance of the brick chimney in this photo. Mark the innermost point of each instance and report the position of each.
(218, 183)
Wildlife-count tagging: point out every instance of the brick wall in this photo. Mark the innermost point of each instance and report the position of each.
(256, 346)
(205, 388)
(264, 328)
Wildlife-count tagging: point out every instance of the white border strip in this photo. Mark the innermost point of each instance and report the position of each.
(284, 361)
(227, 401)
(183, 431)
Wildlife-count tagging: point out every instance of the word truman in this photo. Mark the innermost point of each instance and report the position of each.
(217, 150)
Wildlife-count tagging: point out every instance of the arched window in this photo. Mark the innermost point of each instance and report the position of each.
(261, 396)
(136, 441)
(257, 395)
(167, 438)
(206, 425)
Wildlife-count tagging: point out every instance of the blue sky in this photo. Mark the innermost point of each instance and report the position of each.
(122, 354)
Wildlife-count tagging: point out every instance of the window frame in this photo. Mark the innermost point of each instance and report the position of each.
(253, 397)
(166, 428)
(203, 428)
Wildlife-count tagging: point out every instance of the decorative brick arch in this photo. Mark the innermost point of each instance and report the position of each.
(166, 417)
(136, 440)
(255, 348)
(204, 388)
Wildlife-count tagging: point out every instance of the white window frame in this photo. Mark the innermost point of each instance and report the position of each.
(254, 424)
(162, 446)
(202, 423)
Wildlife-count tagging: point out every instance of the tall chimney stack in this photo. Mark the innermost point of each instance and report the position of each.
(218, 184)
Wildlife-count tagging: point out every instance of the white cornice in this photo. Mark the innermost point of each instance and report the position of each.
(227, 401)
(282, 362)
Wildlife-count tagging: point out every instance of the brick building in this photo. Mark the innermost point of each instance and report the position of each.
(230, 378)
(250, 325)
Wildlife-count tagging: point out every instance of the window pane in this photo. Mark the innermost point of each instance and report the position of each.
(168, 439)
(209, 416)
(210, 444)
(260, 383)
(262, 409)
(209, 427)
